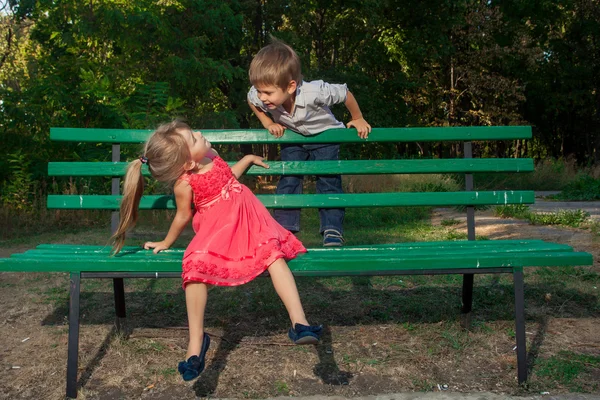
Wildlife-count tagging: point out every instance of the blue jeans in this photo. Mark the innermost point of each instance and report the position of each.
(331, 218)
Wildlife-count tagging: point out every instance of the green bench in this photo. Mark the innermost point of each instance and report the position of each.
(467, 257)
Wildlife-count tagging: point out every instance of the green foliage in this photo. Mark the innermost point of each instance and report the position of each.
(586, 188)
(572, 218)
(520, 211)
(467, 62)
(17, 191)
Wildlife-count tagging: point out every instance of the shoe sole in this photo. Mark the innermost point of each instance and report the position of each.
(307, 340)
(332, 245)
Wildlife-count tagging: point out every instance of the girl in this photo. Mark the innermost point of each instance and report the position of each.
(236, 239)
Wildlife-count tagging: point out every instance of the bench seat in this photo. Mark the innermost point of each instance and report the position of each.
(381, 259)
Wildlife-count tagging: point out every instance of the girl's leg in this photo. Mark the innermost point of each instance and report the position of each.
(285, 286)
(196, 295)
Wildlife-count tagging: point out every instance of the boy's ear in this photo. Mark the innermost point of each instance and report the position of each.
(292, 86)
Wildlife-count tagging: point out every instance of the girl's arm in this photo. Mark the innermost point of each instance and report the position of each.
(183, 199)
(357, 121)
(241, 166)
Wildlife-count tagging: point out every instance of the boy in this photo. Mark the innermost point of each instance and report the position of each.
(279, 91)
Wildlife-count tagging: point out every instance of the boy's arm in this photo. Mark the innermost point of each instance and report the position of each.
(363, 128)
(183, 199)
(241, 166)
(274, 128)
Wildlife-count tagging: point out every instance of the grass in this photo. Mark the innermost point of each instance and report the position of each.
(547, 175)
(571, 218)
(457, 339)
(20, 226)
(449, 222)
(574, 371)
(401, 183)
(423, 385)
(282, 388)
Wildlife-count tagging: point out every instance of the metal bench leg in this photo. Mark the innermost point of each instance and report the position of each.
(467, 300)
(73, 347)
(520, 325)
(467, 291)
(119, 289)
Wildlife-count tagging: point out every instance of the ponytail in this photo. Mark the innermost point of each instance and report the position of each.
(133, 188)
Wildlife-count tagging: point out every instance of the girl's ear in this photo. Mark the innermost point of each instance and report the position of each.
(188, 166)
(292, 86)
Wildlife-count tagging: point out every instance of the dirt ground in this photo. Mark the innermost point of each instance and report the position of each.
(360, 355)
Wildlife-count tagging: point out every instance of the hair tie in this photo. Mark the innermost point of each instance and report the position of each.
(144, 159)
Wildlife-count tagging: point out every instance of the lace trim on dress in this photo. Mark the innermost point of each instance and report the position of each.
(241, 270)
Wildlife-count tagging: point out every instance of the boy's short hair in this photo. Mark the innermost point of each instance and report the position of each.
(275, 64)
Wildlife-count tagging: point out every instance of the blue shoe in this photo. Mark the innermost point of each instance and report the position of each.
(194, 365)
(302, 334)
(332, 238)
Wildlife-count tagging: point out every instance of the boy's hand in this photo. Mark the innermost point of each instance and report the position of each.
(157, 246)
(276, 130)
(362, 127)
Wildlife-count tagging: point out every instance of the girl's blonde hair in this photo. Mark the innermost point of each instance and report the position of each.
(275, 64)
(166, 153)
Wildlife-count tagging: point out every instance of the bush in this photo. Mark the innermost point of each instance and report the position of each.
(572, 218)
(585, 188)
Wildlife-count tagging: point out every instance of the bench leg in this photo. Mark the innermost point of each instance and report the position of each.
(73, 346)
(467, 300)
(520, 325)
(119, 290)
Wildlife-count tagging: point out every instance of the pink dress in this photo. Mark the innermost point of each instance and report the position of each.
(236, 238)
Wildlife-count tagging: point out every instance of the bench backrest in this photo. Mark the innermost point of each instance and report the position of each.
(467, 165)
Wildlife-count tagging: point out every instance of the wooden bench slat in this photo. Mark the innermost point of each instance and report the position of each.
(343, 167)
(307, 265)
(346, 200)
(79, 248)
(262, 136)
(342, 254)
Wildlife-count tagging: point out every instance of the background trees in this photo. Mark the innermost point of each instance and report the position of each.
(109, 63)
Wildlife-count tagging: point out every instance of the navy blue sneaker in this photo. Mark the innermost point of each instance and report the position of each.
(194, 365)
(332, 238)
(302, 334)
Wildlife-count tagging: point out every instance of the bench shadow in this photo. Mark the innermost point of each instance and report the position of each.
(536, 344)
(370, 306)
(95, 362)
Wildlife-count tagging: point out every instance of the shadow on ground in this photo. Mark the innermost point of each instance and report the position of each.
(254, 310)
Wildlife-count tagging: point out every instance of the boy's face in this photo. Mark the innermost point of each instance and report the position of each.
(273, 96)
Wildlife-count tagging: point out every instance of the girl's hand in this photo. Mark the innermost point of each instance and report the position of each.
(276, 129)
(363, 128)
(157, 246)
(257, 160)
